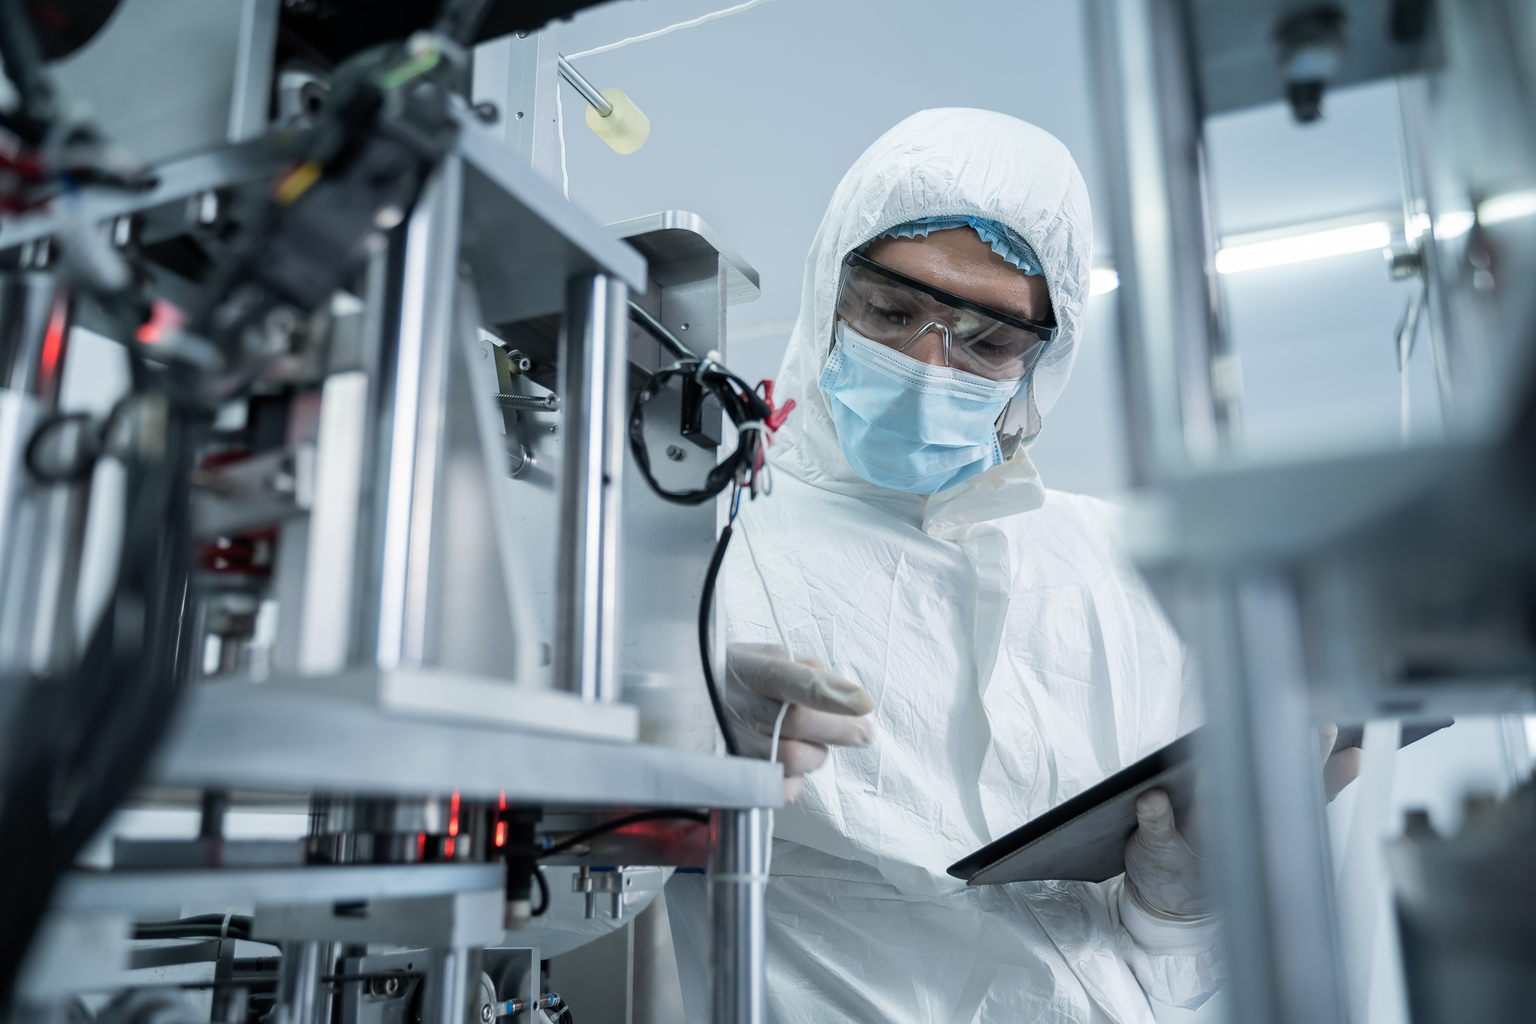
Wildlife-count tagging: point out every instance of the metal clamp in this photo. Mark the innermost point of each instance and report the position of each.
(616, 883)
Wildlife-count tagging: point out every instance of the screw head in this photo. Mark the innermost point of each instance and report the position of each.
(487, 1013)
(675, 453)
(388, 217)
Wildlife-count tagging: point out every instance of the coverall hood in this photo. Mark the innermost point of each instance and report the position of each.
(946, 162)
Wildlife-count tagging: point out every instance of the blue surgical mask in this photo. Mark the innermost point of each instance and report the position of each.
(909, 426)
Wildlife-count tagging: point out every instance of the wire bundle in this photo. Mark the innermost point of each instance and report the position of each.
(200, 926)
(751, 411)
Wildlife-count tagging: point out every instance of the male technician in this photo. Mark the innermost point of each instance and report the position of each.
(988, 651)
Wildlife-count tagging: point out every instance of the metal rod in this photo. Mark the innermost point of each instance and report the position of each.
(736, 884)
(298, 984)
(416, 396)
(1271, 861)
(587, 89)
(1171, 346)
(594, 366)
(447, 987)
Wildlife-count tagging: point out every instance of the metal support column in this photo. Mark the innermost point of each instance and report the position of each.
(594, 370)
(446, 999)
(415, 391)
(1266, 825)
(299, 989)
(1178, 389)
(517, 73)
(736, 884)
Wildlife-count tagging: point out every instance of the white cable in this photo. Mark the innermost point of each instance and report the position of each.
(668, 30)
(772, 608)
(778, 723)
(565, 178)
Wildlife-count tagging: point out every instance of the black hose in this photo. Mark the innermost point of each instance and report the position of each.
(617, 823)
(24, 66)
(81, 742)
(543, 884)
(657, 330)
(706, 603)
(203, 926)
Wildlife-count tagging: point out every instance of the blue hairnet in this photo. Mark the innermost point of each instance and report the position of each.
(1005, 242)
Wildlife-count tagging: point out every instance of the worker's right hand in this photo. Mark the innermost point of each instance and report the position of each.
(824, 709)
(1340, 768)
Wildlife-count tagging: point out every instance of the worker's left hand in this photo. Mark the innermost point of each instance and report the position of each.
(1162, 873)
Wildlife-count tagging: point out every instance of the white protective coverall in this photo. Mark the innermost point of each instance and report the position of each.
(1014, 656)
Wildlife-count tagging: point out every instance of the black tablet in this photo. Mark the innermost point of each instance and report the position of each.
(1083, 839)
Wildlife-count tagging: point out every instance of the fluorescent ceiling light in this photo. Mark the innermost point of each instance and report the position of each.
(1510, 206)
(1102, 279)
(1316, 245)
(1454, 224)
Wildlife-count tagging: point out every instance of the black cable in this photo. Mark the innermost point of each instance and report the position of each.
(24, 66)
(738, 399)
(543, 884)
(458, 19)
(706, 604)
(202, 926)
(561, 1011)
(617, 823)
(655, 329)
(81, 742)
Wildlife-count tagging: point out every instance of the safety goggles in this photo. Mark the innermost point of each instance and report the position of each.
(896, 311)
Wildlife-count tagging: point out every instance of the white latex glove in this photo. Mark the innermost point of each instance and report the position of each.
(824, 709)
(1340, 769)
(1163, 874)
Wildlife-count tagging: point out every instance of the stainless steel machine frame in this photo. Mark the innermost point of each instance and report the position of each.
(1337, 588)
(405, 499)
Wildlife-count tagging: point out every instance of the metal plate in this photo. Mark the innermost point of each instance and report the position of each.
(1239, 65)
(521, 237)
(146, 890)
(678, 237)
(257, 737)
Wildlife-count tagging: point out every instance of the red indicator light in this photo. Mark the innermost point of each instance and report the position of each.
(53, 345)
(448, 847)
(501, 833)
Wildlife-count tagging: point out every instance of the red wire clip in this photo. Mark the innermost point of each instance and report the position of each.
(776, 415)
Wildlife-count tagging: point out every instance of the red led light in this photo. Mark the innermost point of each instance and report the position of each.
(501, 833)
(53, 345)
(165, 321)
(453, 819)
(448, 847)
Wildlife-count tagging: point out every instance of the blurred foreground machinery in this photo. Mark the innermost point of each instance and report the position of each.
(1365, 584)
(313, 398)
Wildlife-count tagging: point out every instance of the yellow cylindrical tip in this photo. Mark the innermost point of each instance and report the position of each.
(626, 129)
